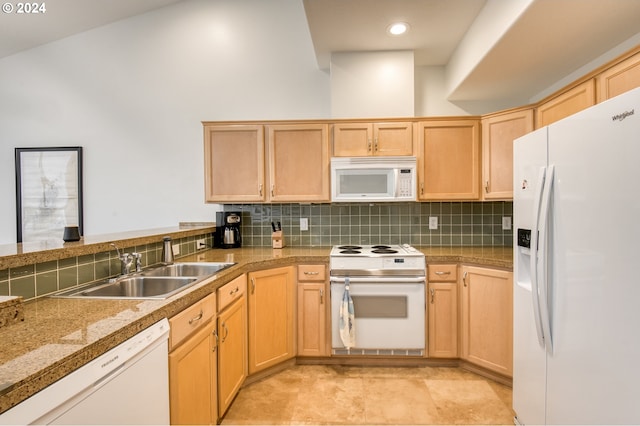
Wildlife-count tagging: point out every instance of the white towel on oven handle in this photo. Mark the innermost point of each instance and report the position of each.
(347, 318)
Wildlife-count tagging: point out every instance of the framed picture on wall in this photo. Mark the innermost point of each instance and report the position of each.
(48, 192)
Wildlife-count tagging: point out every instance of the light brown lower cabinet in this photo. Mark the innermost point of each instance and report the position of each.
(193, 365)
(313, 311)
(271, 317)
(442, 310)
(232, 346)
(487, 318)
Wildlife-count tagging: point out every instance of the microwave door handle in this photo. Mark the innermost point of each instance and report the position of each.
(396, 182)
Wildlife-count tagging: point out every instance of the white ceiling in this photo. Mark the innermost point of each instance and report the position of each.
(63, 18)
(551, 39)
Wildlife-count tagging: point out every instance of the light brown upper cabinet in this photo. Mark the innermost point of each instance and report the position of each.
(620, 78)
(366, 139)
(298, 162)
(498, 133)
(449, 160)
(567, 103)
(234, 163)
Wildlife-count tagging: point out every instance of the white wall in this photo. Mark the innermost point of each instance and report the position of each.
(431, 94)
(372, 84)
(134, 93)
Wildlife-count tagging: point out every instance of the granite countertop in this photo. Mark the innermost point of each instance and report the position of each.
(59, 335)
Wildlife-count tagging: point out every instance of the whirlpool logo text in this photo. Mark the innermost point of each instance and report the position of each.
(622, 116)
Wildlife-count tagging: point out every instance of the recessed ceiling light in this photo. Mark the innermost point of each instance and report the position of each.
(398, 28)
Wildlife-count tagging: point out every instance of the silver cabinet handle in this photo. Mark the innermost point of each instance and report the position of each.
(234, 291)
(375, 145)
(464, 278)
(322, 297)
(433, 295)
(273, 188)
(443, 272)
(215, 345)
(369, 145)
(253, 285)
(486, 187)
(311, 273)
(421, 188)
(197, 317)
(260, 189)
(226, 332)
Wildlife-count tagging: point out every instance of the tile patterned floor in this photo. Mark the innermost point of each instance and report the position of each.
(339, 395)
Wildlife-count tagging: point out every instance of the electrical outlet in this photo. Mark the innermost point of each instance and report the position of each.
(176, 249)
(201, 244)
(433, 222)
(506, 223)
(304, 223)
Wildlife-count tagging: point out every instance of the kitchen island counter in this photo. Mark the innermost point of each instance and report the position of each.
(58, 336)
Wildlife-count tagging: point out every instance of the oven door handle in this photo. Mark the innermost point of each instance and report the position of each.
(379, 280)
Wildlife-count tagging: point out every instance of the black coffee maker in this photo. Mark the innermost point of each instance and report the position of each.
(227, 230)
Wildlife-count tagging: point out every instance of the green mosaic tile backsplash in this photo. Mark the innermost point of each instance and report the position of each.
(459, 223)
(41, 279)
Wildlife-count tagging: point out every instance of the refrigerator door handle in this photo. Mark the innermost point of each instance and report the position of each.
(537, 201)
(543, 281)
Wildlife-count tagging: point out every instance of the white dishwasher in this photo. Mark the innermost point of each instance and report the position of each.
(127, 385)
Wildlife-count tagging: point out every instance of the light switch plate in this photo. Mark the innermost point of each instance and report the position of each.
(433, 222)
(304, 223)
(506, 223)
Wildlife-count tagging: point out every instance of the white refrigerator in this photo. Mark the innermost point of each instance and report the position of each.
(577, 303)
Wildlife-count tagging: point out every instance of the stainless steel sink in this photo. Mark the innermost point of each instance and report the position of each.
(155, 283)
(195, 269)
(137, 287)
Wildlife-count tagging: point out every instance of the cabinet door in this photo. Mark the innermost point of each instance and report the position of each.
(299, 162)
(352, 139)
(312, 319)
(232, 352)
(487, 318)
(271, 326)
(449, 160)
(393, 138)
(574, 100)
(498, 134)
(192, 379)
(443, 320)
(234, 163)
(620, 78)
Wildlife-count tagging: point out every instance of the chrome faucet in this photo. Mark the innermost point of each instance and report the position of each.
(126, 261)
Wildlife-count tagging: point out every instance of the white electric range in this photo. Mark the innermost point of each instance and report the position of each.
(387, 286)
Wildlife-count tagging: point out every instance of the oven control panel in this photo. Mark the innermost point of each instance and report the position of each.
(392, 263)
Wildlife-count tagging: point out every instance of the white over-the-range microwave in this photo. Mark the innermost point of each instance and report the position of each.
(366, 179)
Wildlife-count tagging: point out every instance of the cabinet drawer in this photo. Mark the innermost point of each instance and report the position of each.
(189, 320)
(442, 272)
(231, 291)
(311, 273)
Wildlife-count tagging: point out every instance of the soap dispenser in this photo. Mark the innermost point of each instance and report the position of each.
(167, 251)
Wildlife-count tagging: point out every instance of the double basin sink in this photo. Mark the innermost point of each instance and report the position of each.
(158, 282)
